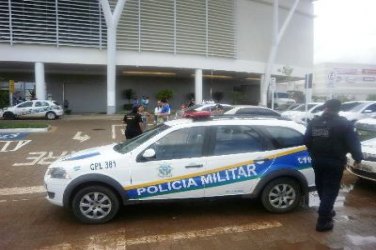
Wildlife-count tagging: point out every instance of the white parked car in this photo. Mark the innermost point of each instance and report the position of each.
(367, 168)
(33, 109)
(184, 159)
(252, 111)
(299, 114)
(357, 110)
(366, 128)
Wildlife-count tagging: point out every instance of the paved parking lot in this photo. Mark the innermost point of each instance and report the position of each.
(28, 221)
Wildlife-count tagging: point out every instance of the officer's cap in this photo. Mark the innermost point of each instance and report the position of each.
(333, 105)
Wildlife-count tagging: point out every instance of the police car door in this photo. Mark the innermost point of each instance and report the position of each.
(236, 159)
(24, 109)
(174, 170)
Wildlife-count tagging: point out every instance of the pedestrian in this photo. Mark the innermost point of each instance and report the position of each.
(329, 138)
(157, 110)
(165, 111)
(143, 101)
(134, 124)
(180, 112)
(147, 103)
(191, 103)
(135, 102)
(218, 110)
(66, 104)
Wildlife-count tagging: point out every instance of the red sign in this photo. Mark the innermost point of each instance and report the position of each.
(369, 71)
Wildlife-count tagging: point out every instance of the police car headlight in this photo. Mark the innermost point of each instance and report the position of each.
(58, 173)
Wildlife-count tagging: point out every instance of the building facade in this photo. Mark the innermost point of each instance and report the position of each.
(161, 44)
(344, 80)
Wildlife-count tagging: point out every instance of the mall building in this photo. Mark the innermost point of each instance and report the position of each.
(58, 49)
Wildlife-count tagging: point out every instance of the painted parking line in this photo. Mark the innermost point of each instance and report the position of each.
(96, 242)
(22, 190)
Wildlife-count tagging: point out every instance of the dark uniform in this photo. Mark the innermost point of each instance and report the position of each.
(328, 139)
(132, 120)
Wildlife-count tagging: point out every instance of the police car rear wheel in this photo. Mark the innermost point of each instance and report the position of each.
(281, 195)
(95, 204)
(51, 116)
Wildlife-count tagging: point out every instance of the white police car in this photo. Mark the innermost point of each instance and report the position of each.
(33, 109)
(184, 159)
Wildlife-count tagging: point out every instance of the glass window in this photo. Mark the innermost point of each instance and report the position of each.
(45, 104)
(25, 105)
(257, 111)
(133, 143)
(318, 109)
(284, 137)
(372, 108)
(236, 139)
(38, 104)
(349, 105)
(182, 143)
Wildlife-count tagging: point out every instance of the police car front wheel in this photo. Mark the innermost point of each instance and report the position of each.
(95, 204)
(281, 195)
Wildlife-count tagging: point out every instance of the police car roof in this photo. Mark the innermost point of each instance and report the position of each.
(246, 120)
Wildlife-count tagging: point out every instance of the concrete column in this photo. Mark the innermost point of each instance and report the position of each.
(198, 86)
(112, 20)
(40, 84)
(111, 69)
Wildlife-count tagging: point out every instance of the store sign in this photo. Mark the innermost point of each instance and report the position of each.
(11, 86)
(344, 71)
(369, 71)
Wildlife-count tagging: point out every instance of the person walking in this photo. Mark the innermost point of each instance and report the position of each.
(157, 110)
(165, 111)
(134, 123)
(328, 139)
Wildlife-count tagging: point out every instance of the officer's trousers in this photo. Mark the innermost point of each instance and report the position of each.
(328, 181)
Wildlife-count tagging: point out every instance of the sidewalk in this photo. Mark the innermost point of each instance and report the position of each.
(92, 116)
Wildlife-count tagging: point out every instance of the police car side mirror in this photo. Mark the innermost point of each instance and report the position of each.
(149, 153)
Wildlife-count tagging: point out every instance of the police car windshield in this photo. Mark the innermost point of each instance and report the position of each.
(133, 143)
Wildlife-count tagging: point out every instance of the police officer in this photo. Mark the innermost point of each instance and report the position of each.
(134, 123)
(329, 138)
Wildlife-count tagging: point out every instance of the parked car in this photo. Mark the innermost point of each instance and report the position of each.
(299, 114)
(185, 159)
(252, 110)
(203, 109)
(34, 109)
(366, 128)
(281, 100)
(367, 168)
(357, 110)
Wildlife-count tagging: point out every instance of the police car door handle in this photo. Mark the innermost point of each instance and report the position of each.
(260, 160)
(194, 166)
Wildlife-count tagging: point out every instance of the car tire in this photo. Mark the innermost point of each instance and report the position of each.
(9, 116)
(281, 195)
(95, 204)
(51, 116)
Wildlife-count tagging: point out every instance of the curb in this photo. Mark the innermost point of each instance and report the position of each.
(25, 130)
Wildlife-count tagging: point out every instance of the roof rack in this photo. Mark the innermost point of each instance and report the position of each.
(204, 117)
